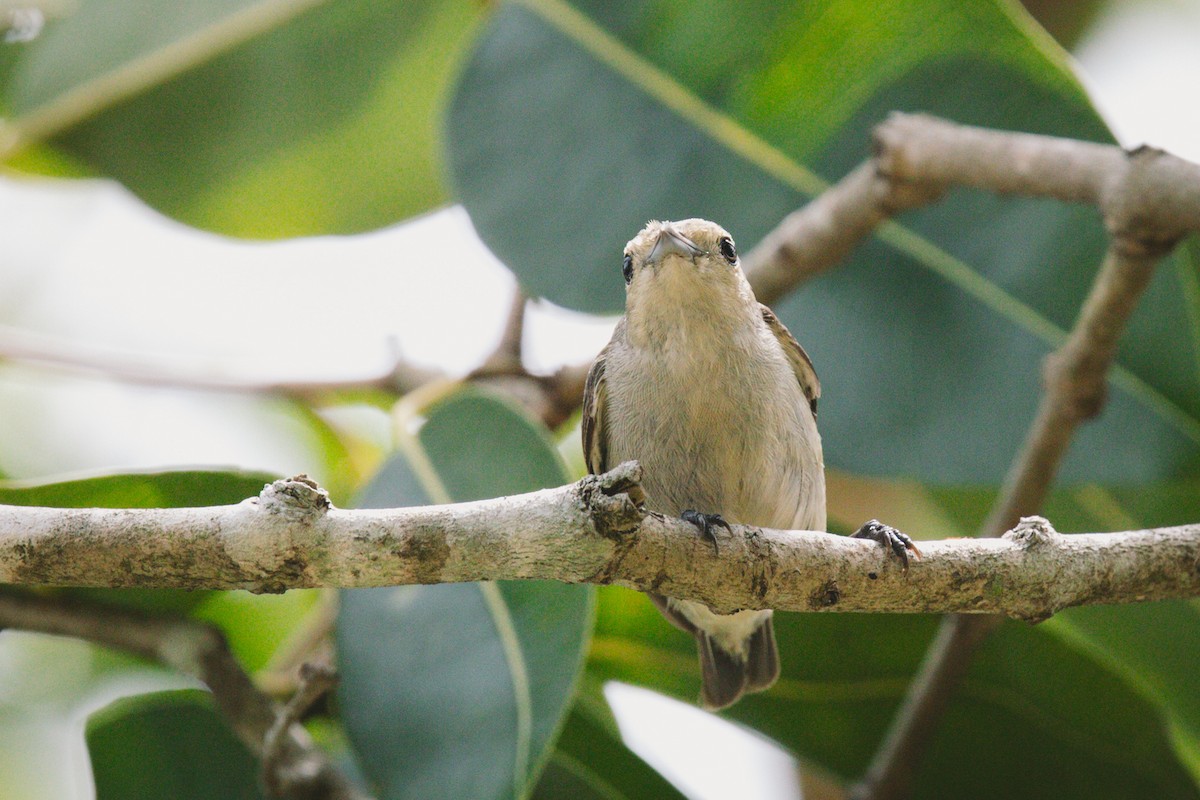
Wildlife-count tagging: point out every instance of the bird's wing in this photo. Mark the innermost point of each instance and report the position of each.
(595, 402)
(801, 364)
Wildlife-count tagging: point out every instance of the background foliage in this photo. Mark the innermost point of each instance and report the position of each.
(563, 126)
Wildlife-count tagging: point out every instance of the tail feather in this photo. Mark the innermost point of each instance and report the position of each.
(762, 662)
(725, 677)
(722, 674)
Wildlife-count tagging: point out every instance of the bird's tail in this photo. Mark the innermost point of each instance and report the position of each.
(727, 676)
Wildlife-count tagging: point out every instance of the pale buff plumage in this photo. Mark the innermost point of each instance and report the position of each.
(710, 392)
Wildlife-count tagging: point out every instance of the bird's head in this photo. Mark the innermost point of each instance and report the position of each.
(691, 264)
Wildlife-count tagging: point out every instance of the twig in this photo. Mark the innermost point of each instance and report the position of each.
(506, 358)
(550, 398)
(302, 770)
(919, 157)
(592, 531)
(1149, 201)
(16, 345)
(280, 769)
(310, 641)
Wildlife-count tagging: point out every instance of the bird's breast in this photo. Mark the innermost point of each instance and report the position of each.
(730, 433)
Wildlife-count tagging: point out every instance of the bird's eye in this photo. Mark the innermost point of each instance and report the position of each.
(728, 250)
(627, 268)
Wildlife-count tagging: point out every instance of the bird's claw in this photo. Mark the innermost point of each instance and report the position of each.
(897, 543)
(707, 523)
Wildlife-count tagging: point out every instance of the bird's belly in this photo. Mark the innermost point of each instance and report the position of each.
(728, 450)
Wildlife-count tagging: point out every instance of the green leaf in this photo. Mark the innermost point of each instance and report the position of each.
(1075, 728)
(48, 685)
(591, 761)
(457, 690)
(168, 744)
(260, 119)
(1155, 647)
(573, 123)
(257, 625)
(1146, 645)
(169, 489)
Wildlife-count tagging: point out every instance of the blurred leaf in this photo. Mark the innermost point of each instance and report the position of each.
(590, 760)
(256, 625)
(169, 489)
(1155, 647)
(1075, 728)
(939, 512)
(1150, 646)
(168, 744)
(674, 108)
(47, 685)
(256, 119)
(457, 690)
(928, 341)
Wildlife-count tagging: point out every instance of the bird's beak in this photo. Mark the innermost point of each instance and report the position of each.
(672, 241)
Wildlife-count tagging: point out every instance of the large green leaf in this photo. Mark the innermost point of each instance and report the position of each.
(168, 744)
(1035, 717)
(169, 489)
(1155, 647)
(574, 123)
(249, 117)
(457, 690)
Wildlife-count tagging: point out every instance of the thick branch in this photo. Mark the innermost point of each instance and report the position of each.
(296, 767)
(593, 532)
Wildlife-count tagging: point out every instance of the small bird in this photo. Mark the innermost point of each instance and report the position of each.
(705, 387)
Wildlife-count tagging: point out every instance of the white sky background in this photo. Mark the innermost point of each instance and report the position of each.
(86, 266)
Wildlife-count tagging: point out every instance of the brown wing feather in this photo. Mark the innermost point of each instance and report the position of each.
(801, 364)
(595, 396)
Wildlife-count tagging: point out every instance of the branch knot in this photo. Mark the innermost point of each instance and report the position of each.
(298, 498)
(1032, 532)
(614, 501)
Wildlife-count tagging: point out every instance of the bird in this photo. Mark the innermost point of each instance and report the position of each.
(710, 392)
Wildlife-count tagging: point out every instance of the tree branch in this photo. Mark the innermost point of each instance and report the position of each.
(506, 358)
(550, 398)
(592, 531)
(1146, 196)
(297, 768)
(818, 236)
(1149, 200)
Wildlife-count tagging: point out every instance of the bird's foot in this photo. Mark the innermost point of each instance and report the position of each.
(708, 524)
(897, 543)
